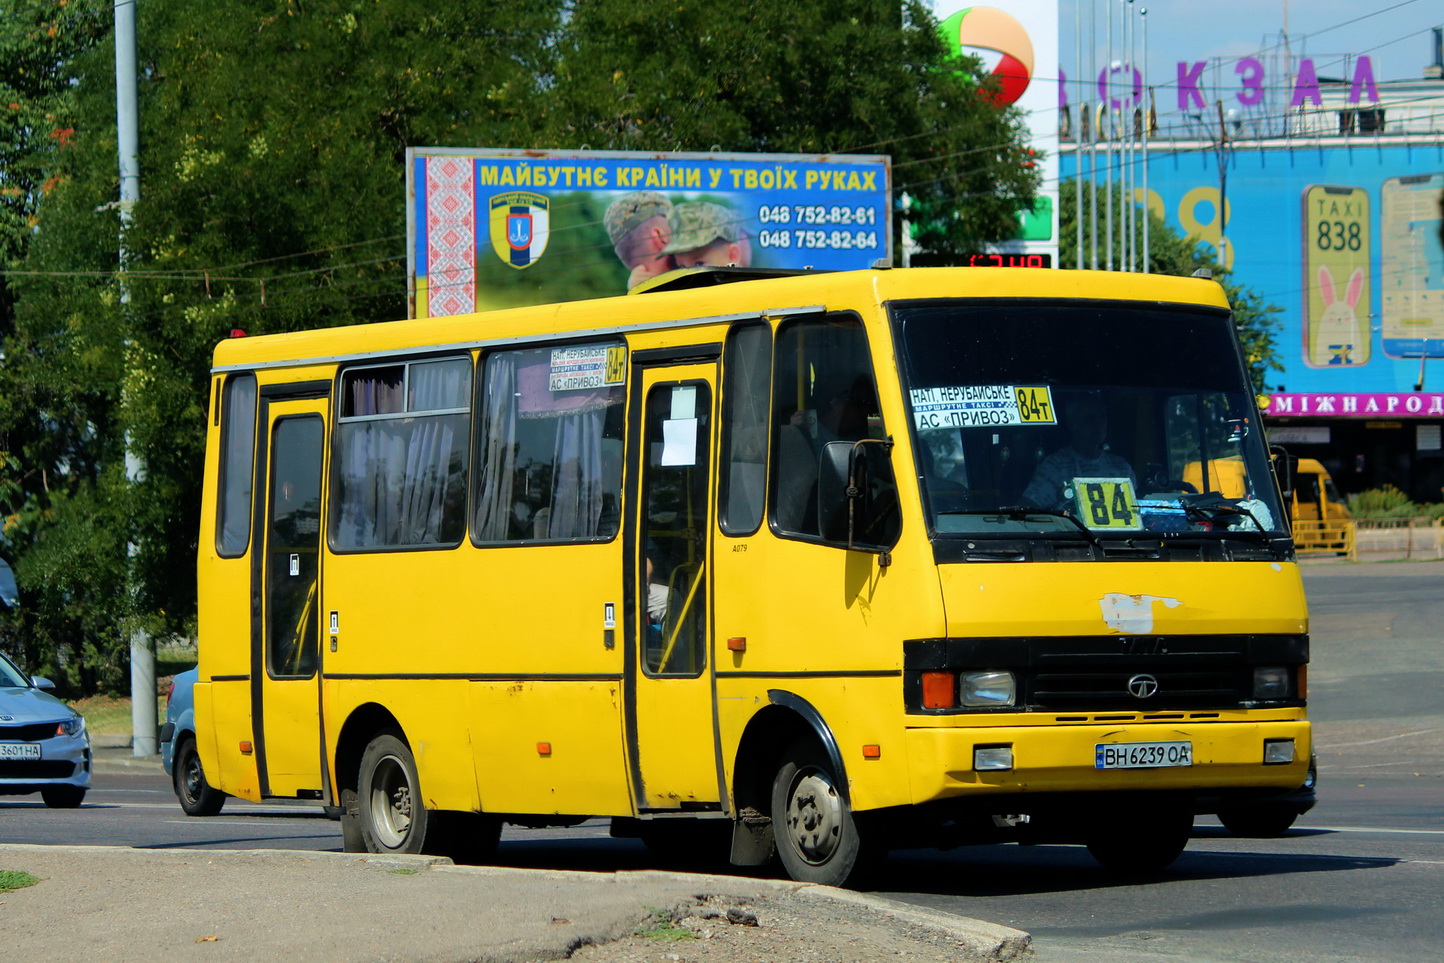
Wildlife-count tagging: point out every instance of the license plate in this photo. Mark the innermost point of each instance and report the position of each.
(19, 750)
(1142, 755)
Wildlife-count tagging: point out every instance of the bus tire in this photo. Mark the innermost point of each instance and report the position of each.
(390, 806)
(816, 833)
(196, 796)
(1143, 844)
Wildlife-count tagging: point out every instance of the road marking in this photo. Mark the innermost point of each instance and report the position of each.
(1374, 742)
(1373, 829)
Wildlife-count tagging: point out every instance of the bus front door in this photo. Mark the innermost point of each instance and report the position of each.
(670, 721)
(286, 598)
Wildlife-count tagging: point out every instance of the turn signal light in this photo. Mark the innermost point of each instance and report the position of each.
(940, 690)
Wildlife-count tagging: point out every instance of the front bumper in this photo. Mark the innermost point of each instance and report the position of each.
(64, 761)
(1227, 759)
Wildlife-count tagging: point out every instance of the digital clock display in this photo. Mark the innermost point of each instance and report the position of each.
(992, 259)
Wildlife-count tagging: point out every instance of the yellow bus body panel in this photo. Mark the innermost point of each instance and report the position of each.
(1124, 598)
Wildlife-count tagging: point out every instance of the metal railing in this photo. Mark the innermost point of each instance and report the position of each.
(1333, 536)
(1418, 537)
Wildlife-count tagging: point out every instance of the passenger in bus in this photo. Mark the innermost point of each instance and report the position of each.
(1085, 456)
(637, 225)
(841, 415)
(704, 234)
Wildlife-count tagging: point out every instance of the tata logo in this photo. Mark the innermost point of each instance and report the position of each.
(1142, 686)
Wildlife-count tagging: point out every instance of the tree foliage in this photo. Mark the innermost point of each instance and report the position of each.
(1171, 252)
(830, 76)
(272, 140)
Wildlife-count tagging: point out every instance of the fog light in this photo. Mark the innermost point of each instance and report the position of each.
(1278, 752)
(1272, 682)
(990, 688)
(992, 758)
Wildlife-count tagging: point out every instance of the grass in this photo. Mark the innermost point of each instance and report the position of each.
(660, 926)
(110, 715)
(15, 879)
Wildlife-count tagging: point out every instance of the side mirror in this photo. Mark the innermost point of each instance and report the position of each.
(43, 684)
(857, 495)
(1285, 467)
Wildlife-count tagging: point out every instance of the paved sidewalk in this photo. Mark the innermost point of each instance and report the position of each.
(118, 903)
(115, 903)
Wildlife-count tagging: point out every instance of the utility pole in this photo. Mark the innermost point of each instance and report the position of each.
(127, 127)
(1223, 150)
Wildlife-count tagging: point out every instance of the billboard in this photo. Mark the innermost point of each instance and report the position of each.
(500, 228)
(1344, 237)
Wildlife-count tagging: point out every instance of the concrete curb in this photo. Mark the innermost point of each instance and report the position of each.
(979, 940)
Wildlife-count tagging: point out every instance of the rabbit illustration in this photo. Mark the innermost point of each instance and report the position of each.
(1337, 337)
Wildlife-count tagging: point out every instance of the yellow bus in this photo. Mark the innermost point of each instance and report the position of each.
(829, 562)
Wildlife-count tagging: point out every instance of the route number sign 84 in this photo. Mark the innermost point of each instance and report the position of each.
(1106, 503)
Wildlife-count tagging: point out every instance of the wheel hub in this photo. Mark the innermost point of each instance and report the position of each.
(814, 817)
(391, 802)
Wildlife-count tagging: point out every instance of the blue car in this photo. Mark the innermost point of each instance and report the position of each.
(44, 747)
(178, 751)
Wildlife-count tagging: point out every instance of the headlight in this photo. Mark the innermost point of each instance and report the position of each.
(989, 688)
(1272, 682)
(73, 726)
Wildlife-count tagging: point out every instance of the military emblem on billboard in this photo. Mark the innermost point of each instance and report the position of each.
(519, 227)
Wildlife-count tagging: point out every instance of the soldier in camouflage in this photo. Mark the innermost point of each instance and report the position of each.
(704, 234)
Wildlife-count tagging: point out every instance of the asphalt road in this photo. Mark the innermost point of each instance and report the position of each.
(1360, 878)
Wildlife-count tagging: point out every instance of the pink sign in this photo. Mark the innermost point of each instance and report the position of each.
(1412, 404)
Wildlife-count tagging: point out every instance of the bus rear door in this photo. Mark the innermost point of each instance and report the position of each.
(286, 596)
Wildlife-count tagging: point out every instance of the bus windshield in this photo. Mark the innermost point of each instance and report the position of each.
(1092, 422)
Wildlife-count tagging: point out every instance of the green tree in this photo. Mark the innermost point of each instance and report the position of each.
(1171, 252)
(823, 76)
(272, 199)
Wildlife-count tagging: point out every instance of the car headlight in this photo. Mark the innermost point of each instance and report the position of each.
(73, 726)
(993, 687)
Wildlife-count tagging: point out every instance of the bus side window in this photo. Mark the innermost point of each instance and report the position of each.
(238, 452)
(548, 456)
(400, 455)
(823, 390)
(747, 362)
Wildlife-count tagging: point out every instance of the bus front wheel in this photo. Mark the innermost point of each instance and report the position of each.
(815, 830)
(391, 814)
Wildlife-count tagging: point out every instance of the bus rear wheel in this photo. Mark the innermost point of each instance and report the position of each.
(391, 814)
(816, 833)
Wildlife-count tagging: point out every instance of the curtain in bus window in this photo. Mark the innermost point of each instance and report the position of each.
(549, 454)
(402, 480)
(498, 449)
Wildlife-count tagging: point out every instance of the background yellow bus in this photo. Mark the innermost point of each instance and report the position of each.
(835, 562)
